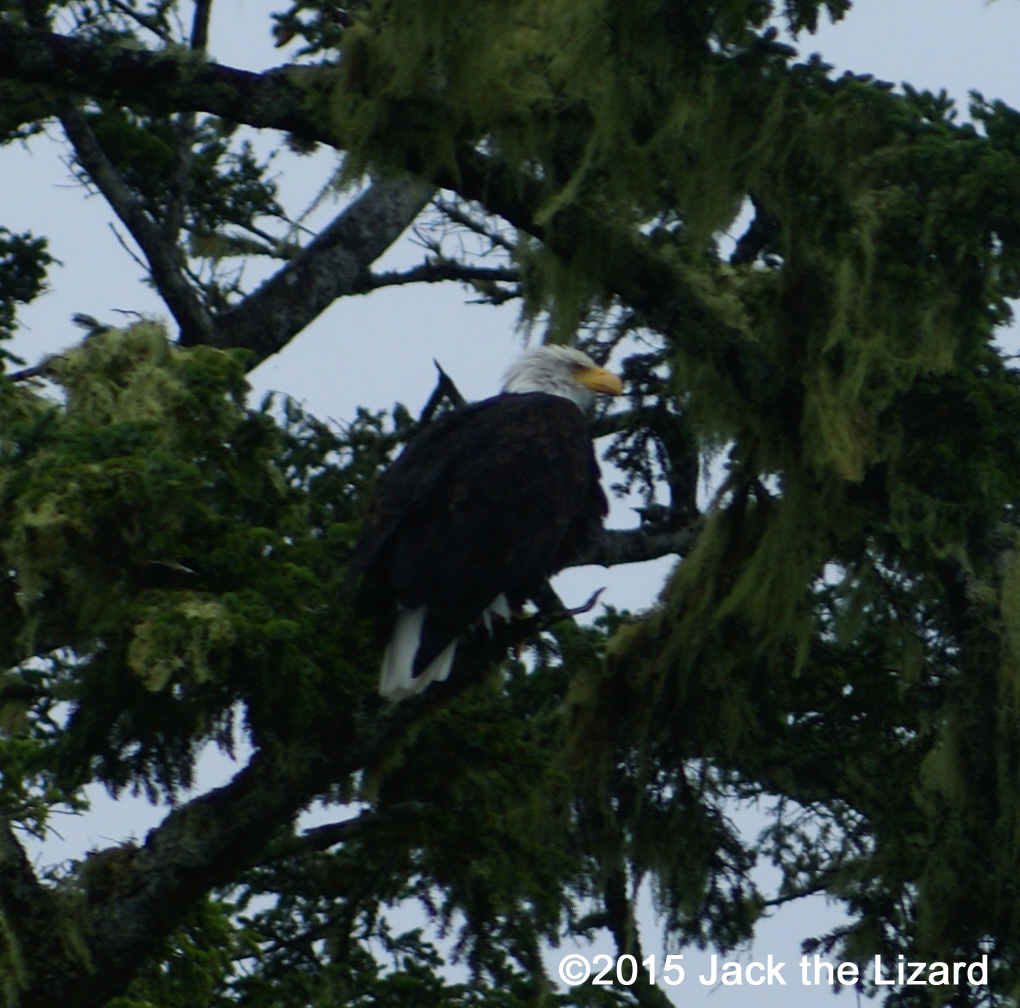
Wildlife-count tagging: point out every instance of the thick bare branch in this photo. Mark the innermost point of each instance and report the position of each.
(336, 262)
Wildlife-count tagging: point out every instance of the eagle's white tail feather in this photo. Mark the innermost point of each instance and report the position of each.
(398, 681)
(500, 607)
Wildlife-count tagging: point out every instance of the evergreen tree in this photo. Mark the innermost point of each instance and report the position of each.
(840, 636)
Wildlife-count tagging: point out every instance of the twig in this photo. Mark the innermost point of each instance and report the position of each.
(39, 371)
(126, 247)
(150, 24)
(458, 216)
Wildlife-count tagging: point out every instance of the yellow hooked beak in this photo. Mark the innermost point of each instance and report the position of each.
(599, 380)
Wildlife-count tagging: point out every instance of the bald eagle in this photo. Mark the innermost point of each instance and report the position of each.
(480, 508)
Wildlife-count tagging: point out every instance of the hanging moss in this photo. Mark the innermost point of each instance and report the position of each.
(176, 637)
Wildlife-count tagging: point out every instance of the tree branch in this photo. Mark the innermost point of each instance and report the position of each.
(465, 220)
(320, 838)
(622, 546)
(28, 911)
(199, 40)
(632, 270)
(136, 896)
(150, 24)
(161, 253)
(165, 81)
(440, 270)
(623, 926)
(333, 264)
(284, 98)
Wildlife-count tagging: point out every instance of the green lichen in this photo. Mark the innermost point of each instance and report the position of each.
(176, 638)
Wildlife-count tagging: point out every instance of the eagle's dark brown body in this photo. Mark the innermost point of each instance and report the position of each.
(483, 505)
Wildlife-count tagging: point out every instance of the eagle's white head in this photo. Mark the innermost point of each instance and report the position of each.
(562, 371)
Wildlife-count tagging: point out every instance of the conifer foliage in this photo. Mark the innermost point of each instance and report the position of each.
(840, 637)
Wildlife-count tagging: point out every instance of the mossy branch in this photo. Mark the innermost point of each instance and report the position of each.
(631, 269)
